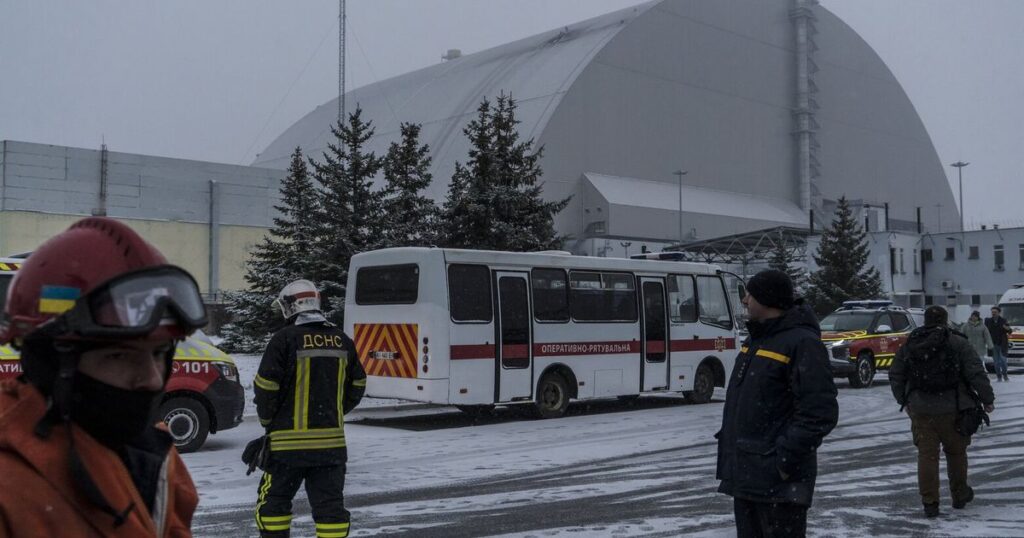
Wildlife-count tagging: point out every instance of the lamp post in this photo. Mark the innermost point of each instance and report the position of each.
(626, 245)
(680, 173)
(959, 165)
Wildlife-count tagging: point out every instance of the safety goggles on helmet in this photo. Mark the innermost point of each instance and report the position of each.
(136, 304)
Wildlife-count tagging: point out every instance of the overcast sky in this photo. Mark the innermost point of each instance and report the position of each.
(219, 80)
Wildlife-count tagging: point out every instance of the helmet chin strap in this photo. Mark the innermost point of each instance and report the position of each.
(59, 411)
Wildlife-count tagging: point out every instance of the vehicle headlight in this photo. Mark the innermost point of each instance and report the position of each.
(227, 370)
(837, 343)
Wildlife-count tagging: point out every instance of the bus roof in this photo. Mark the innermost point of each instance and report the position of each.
(546, 259)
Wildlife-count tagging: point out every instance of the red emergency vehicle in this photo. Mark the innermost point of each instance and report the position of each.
(203, 394)
(863, 337)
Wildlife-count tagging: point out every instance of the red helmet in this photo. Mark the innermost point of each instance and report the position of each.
(104, 282)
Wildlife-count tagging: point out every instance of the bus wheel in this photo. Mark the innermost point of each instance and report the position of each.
(477, 411)
(552, 396)
(188, 422)
(703, 386)
(865, 372)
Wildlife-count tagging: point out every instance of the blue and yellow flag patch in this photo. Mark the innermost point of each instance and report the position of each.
(57, 299)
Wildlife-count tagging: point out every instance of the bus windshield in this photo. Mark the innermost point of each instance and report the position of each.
(847, 321)
(1014, 313)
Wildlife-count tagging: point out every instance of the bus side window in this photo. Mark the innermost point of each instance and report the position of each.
(713, 302)
(681, 299)
(550, 295)
(469, 293)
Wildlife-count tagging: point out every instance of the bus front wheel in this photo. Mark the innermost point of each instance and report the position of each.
(703, 385)
(552, 396)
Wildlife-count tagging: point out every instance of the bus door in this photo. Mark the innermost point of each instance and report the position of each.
(514, 364)
(654, 356)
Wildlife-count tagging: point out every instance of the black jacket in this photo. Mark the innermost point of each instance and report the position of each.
(972, 375)
(309, 378)
(1000, 331)
(780, 404)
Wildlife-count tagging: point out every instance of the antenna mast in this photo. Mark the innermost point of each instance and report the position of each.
(341, 61)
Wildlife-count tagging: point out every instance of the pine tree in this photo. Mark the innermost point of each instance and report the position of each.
(283, 255)
(784, 259)
(495, 201)
(350, 219)
(842, 260)
(411, 217)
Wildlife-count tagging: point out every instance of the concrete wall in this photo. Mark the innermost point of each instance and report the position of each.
(973, 277)
(44, 188)
(184, 244)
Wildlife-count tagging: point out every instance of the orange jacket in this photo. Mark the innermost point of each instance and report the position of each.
(37, 494)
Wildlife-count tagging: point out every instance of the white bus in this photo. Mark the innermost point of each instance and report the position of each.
(478, 328)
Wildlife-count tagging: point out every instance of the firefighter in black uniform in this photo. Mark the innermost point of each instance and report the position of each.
(309, 378)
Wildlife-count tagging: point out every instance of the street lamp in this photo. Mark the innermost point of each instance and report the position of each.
(680, 173)
(626, 245)
(959, 165)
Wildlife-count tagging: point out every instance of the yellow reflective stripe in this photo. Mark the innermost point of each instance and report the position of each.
(773, 356)
(276, 526)
(331, 526)
(341, 391)
(301, 412)
(276, 519)
(266, 384)
(262, 498)
(744, 349)
(291, 435)
(359, 383)
(264, 421)
(332, 534)
(312, 444)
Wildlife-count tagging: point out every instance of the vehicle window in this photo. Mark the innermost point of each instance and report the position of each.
(550, 295)
(469, 293)
(389, 284)
(682, 299)
(605, 297)
(1013, 313)
(712, 302)
(884, 319)
(5, 280)
(847, 321)
(900, 322)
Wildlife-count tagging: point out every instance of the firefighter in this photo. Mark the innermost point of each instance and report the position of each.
(96, 312)
(308, 379)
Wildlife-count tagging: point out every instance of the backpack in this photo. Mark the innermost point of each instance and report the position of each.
(930, 366)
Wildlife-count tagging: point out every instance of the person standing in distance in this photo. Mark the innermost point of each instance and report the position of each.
(780, 405)
(935, 376)
(1000, 331)
(96, 312)
(309, 378)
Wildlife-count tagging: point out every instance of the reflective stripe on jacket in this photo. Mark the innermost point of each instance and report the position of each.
(38, 496)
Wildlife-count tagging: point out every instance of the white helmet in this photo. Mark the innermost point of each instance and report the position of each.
(299, 296)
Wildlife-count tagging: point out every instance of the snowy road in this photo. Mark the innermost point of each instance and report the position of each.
(617, 469)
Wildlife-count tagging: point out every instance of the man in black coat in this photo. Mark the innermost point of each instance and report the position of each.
(780, 404)
(1000, 331)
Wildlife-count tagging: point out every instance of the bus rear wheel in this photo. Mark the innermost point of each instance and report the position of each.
(703, 386)
(552, 396)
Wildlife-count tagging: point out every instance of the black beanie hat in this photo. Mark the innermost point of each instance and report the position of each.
(935, 315)
(772, 288)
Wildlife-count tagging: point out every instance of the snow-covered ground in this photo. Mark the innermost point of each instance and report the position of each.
(616, 469)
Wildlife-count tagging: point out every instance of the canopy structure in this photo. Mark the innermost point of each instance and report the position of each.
(747, 248)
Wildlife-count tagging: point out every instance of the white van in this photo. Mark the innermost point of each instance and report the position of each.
(1012, 305)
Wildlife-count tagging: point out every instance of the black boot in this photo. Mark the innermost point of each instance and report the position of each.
(963, 502)
(931, 510)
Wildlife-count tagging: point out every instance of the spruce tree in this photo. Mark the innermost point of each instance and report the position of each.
(284, 254)
(784, 259)
(350, 219)
(411, 217)
(495, 202)
(843, 272)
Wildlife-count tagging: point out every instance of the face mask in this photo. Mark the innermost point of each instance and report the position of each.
(113, 416)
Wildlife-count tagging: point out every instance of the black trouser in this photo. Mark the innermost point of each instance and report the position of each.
(324, 487)
(769, 520)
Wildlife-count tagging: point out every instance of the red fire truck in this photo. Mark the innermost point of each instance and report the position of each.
(203, 394)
